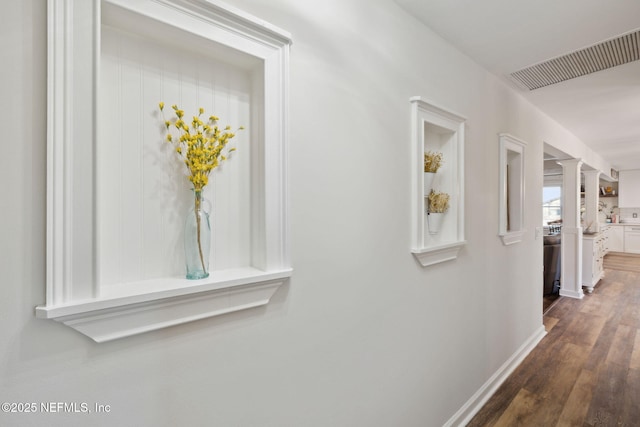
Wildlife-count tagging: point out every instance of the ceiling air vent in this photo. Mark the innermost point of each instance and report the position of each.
(601, 56)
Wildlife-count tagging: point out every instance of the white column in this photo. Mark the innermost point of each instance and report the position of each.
(571, 253)
(591, 198)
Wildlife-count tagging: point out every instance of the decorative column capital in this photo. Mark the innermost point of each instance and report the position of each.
(570, 163)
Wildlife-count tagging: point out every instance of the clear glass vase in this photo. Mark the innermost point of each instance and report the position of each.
(434, 222)
(197, 239)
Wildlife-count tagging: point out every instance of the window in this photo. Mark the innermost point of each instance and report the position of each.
(551, 204)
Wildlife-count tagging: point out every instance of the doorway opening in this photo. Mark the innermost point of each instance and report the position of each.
(552, 229)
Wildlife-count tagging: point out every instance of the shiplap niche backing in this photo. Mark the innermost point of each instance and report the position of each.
(143, 190)
(116, 207)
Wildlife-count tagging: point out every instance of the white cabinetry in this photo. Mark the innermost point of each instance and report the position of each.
(615, 238)
(632, 239)
(629, 189)
(593, 250)
(605, 230)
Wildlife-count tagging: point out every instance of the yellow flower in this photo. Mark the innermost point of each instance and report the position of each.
(201, 147)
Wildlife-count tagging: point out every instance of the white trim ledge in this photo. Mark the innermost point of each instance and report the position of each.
(477, 401)
(512, 237)
(106, 319)
(438, 254)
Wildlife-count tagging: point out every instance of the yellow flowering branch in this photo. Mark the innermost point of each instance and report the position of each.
(201, 144)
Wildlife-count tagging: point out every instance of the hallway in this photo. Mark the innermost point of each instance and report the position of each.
(586, 370)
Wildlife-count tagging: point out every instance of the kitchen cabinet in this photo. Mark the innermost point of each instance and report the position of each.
(629, 189)
(632, 239)
(593, 250)
(615, 238)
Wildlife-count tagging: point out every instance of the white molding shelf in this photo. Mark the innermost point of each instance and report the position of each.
(161, 304)
(511, 237)
(438, 254)
(440, 130)
(88, 287)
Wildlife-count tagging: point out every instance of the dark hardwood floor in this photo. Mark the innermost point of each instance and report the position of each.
(548, 301)
(586, 370)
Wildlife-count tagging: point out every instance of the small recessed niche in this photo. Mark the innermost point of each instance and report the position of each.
(441, 131)
(511, 224)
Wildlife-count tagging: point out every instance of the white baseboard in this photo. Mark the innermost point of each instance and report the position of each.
(477, 401)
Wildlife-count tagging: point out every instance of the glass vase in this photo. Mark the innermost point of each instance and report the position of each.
(434, 221)
(428, 181)
(197, 239)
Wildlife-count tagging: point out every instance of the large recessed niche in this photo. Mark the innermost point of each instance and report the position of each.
(117, 196)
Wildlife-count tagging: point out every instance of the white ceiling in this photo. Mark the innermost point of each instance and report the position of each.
(602, 109)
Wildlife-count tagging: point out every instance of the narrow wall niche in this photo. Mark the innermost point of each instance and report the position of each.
(512, 194)
(437, 236)
(115, 265)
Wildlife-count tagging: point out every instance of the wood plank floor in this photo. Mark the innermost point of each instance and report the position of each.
(622, 261)
(586, 370)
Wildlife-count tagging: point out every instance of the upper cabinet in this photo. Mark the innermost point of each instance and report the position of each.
(629, 189)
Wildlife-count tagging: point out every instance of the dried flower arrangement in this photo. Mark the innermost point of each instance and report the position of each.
(438, 202)
(432, 161)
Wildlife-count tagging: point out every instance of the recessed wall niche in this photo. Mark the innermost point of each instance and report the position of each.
(117, 197)
(511, 218)
(437, 130)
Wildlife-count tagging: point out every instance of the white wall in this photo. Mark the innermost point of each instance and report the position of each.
(362, 336)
